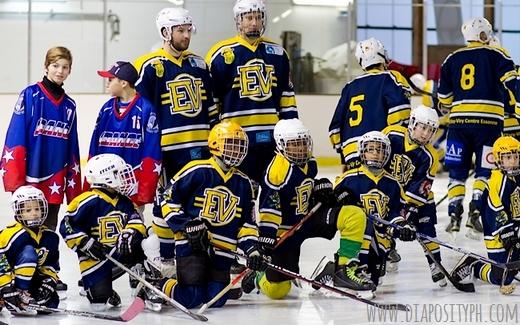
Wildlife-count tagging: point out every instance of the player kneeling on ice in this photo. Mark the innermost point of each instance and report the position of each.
(500, 219)
(103, 220)
(30, 258)
(414, 163)
(367, 190)
(289, 191)
(209, 206)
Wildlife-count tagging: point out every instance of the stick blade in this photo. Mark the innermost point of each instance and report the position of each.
(133, 310)
(200, 317)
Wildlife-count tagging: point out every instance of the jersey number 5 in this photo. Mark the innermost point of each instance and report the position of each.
(467, 76)
(356, 109)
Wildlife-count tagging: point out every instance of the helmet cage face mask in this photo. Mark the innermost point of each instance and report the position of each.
(229, 142)
(374, 150)
(234, 150)
(30, 206)
(297, 149)
(110, 171)
(509, 162)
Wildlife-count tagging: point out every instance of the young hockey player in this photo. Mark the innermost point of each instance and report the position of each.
(29, 256)
(500, 217)
(372, 101)
(209, 206)
(378, 194)
(414, 163)
(104, 221)
(473, 82)
(127, 126)
(288, 192)
(252, 84)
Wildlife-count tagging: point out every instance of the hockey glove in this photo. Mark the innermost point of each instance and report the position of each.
(266, 245)
(257, 261)
(343, 197)
(125, 241)
(46, 291)
(322, 192)
(411, 213)
(502, 218)
(406, 232)
(509, 236)
(197, 234)
(12, 299)
(93, 248)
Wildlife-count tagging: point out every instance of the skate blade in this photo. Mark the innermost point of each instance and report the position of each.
(392, 267)
(153, 306)
(442, 283)
(62, 295)
(472, 234)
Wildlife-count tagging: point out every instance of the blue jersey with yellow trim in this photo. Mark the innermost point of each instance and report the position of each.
(14, 240)
(181, 89)
(379, 195)
(368, 103)
(472, 82)
(252, 85)
(502, 199)
(412, 165)
(224, 200)
(101, 215)
(284, 196)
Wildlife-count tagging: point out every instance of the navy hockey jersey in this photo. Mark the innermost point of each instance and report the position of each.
(223, 199)
(181, 90)
(368, 103)
(252, 85)
(284, 196)
(412, 165)
(14, 239)
(41, 145)
(134, 136)
(472, 83)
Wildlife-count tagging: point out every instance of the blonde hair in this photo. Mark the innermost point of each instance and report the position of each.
(56, 53)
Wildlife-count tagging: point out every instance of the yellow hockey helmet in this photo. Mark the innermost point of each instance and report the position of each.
(506, 151)
(228, 141)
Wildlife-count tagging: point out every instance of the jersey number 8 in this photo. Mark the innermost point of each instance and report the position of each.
(467, 76)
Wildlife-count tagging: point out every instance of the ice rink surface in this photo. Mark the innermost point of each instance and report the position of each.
(410, 285)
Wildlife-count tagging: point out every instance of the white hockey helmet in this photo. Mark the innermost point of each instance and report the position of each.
(424, 122)
(374, 149)
(477, 30)
(293, 140)
(242, 7)
(30, 206)
(370, 52)
(494, 41)
(111, 171)
(170, 17)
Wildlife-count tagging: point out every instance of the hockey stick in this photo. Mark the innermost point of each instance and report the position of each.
(446, 196)
(465, 287)
(503, 288)
(510, 266)
(130, 313)
(239, 277)
(321, 285)
(157, 291)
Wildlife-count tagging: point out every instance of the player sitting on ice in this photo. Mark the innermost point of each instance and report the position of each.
(376, 193)
(104, 221)
(499, 219)
(209, 206)
(29, 259)
(414, 163)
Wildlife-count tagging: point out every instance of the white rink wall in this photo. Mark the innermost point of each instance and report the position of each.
(315, 112)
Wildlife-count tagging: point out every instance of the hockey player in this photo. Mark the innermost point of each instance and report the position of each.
(499, 219)
(211, 202)
(41, 145)
(103, 220)
(473, 82)
(127, 126)
(413, 163)
(378, 194)
(288, 192)
(179, 85)
(29, 256)
(252, 84)
(370, 102)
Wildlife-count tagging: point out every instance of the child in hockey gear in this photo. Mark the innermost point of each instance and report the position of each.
(372, 101)
(473, 82)
(130, 117)
(251, 74)
(29, 261)
(104, 221)
(178, 84)
(211, 197)
(288, 192)
(413, 164)
(500, 219)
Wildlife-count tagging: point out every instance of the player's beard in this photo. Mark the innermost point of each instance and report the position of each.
(179, 46)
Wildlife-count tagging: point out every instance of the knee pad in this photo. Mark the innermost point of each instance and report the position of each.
(100, 292)
(274, 290)
(192, 269)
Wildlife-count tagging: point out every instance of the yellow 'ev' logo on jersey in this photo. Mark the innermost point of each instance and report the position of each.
(303, 195)
(256, 80)
(515, 204)
(402, 168)
(186, 95)
(375, 203)
(220, 206)
(110, 226)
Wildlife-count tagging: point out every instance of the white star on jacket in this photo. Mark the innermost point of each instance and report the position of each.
(8, 156)
(71, 183)
(157, 168)
(76, 168)
(55, 188)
